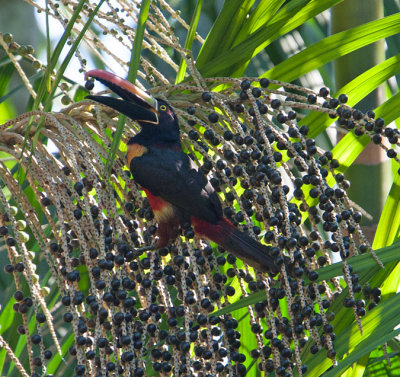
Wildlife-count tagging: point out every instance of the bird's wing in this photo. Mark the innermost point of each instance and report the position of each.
(174, 177)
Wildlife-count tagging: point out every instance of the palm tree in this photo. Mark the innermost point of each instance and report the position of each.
(85, 295)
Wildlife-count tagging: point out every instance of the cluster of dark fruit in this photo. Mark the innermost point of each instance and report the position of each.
(184, 336)
(252, 165)
(147, 323)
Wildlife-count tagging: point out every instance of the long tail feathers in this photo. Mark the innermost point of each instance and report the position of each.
(244, 247)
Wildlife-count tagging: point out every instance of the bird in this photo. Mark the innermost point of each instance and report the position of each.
(177, 190)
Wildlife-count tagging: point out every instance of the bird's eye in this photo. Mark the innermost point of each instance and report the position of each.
(163, 107)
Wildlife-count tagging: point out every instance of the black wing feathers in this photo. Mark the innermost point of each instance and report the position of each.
(174, 177)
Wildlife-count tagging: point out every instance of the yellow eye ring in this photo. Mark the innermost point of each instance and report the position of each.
(163, 107)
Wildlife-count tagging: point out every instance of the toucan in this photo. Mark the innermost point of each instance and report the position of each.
(177, 190)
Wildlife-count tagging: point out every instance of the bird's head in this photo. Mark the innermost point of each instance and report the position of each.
(155, 116)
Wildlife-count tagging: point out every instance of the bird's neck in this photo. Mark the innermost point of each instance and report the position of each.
(155, 138)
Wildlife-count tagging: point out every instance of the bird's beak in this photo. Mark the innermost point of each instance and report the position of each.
(135, 103)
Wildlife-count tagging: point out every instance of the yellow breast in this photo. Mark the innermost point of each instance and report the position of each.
(135, 150)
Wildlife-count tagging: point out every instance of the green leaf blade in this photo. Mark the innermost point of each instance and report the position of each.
(189, 40)
(333, 47)
(224, 30)
(134, 65)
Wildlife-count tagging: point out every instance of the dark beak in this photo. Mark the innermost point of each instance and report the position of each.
(135, 103)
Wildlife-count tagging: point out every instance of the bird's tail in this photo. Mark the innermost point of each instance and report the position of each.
(240, 245)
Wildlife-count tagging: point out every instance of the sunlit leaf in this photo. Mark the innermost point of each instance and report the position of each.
(291, 16)
(333, 47)
(189, 40)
